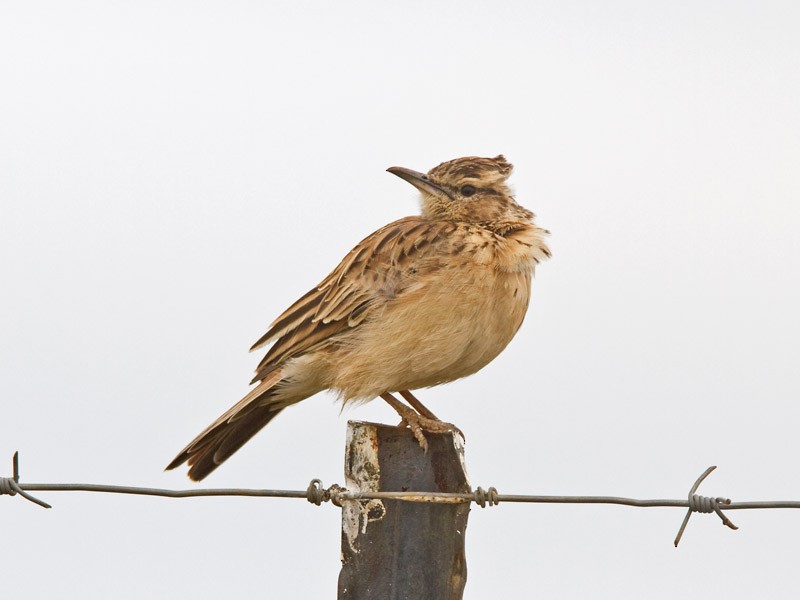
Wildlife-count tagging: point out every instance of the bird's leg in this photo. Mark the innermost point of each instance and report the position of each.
(426, 412)
(417, 422)
(402, 410)
(417, 405)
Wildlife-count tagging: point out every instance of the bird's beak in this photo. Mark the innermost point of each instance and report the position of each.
(419, 180)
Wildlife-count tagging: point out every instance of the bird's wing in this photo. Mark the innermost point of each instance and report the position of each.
(370, 275)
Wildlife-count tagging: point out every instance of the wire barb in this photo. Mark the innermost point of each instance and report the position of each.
(704, 504)
(10, 485)
(317, 494)
(484, 497)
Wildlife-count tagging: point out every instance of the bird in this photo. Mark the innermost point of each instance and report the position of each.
(422, 301)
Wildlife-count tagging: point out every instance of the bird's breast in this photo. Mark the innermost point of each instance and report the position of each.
(450, 322)
(455, 303)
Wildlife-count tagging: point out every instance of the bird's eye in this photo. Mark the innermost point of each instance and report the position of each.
(468, 190)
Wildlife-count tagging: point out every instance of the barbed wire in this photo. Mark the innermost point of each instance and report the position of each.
(317, 494)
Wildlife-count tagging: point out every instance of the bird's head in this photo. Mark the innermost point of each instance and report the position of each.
(469, 189)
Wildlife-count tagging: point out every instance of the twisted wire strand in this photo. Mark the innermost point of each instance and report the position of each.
(7, 487)
(483, 497)
(10, 485)
(704, 504)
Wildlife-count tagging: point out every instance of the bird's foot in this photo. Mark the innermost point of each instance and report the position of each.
(419, 424)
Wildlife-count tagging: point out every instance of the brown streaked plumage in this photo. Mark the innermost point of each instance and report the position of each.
(422, 301)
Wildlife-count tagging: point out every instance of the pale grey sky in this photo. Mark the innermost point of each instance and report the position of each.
(173, 175)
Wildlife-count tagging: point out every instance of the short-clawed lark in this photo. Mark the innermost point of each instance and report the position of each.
(422, 301)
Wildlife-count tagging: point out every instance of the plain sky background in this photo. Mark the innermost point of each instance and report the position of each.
(174, 174)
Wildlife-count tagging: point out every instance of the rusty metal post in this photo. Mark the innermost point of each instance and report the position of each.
(396, 550)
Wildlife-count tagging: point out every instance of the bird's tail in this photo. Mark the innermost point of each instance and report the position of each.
(227, 434)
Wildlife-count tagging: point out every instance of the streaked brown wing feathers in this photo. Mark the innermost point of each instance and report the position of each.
(364, 280)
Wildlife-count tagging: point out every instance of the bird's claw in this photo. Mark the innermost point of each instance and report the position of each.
(419, 424)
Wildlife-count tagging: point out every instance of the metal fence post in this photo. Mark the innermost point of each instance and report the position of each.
(395, 550)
